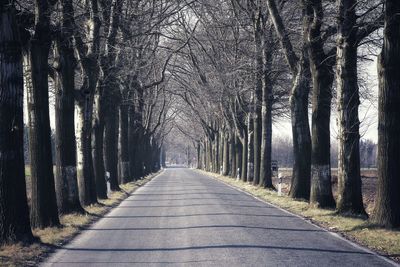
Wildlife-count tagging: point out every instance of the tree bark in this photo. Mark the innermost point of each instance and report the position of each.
(232, 155)
(109, 91)
(88, 55)
(238, 157)
(387, 209)
(349, 179)
(266, 110)
(85, 170)
(44, 211)
(301, 176)
(14, 211)
(322, 79)
(257, 124)
(132, 140)
(111, 143)
(250, 148)
(66, 177)
(98, 141)
(124, 144)
(139, 132)
(245, 150)
(199, 156)
(225, 164)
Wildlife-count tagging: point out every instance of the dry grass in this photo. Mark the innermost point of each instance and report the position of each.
(71, 225)
(384, 241)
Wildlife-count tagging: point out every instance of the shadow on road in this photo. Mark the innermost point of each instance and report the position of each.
(200, 214)
(220, 247)
(196, 205)
(204, 227)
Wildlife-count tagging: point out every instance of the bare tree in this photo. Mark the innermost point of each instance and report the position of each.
(65, 65)
(44, 211)
(299, 67)
(88, 53)
(14, 212)
(387, 209)
(350, 34)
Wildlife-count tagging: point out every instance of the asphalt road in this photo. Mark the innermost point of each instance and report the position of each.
(183, 218)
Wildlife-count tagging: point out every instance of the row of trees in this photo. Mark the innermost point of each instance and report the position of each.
(255, 61)
(105, 63)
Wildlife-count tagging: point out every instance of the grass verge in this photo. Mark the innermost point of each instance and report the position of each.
(384, 241)
(71, 225)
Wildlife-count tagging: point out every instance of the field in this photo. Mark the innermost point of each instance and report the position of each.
(369, 183)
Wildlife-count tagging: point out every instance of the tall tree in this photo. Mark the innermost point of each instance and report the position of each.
(65, 63)
(124, 144)
(14, 212)
(88, 57)
(258, 58)
(299, 67)
(266, 107)
(321, 65)
(387, 208)
(350, 35)
(107, 101)
(44, 211)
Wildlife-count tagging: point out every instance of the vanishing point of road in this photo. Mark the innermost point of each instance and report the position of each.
(184, 218)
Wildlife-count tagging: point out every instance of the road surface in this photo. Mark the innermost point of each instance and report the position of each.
(183, 218)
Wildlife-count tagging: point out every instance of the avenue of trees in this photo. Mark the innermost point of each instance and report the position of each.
(254, 62)
(126, 75)
(98, 68)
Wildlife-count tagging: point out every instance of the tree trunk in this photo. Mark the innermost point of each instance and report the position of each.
(66, 177)
(239, 156)
(349, 179)
(164, 157)
(139, 132)
(232, 155)
(322, 78)
(88, 55)
(321, 184)
(111, 143)
(250, 149)
(210, 153)
(301, 176)
(124, 143)
(257, 124)
(245, 151)
(44, 211)
(14, 212)
(199, 155)
(266, 112)
(132, 141)
(216, 153)
(139, 153)
(300, 185)
(98, 145)
(225, 163)
(387, 208)
(85, 172)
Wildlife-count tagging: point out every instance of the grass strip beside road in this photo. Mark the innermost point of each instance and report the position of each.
(384, 241)
(71, 225)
